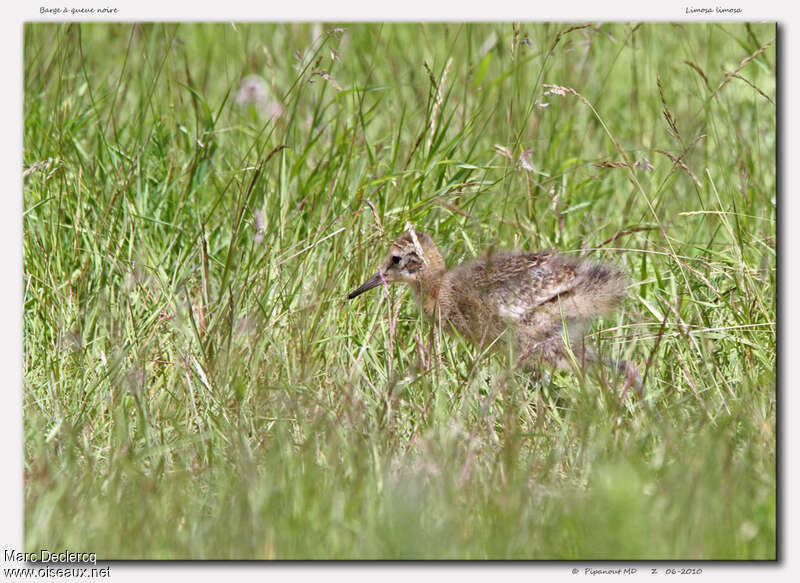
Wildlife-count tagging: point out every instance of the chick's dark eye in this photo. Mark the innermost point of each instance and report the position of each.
(395, 259)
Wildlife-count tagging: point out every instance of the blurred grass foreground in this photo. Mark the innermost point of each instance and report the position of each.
(199, 199)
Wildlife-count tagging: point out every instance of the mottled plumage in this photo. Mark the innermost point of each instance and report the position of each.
(534, 296)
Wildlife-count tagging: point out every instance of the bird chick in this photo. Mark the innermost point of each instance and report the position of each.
(527, 298)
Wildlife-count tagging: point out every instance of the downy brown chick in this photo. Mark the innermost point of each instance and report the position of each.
(530, 298)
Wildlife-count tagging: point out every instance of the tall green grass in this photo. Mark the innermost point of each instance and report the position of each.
(197, 385)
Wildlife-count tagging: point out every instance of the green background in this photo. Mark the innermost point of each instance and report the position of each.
(196, 385)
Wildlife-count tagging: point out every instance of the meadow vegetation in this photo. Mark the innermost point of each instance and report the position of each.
(196, 384)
